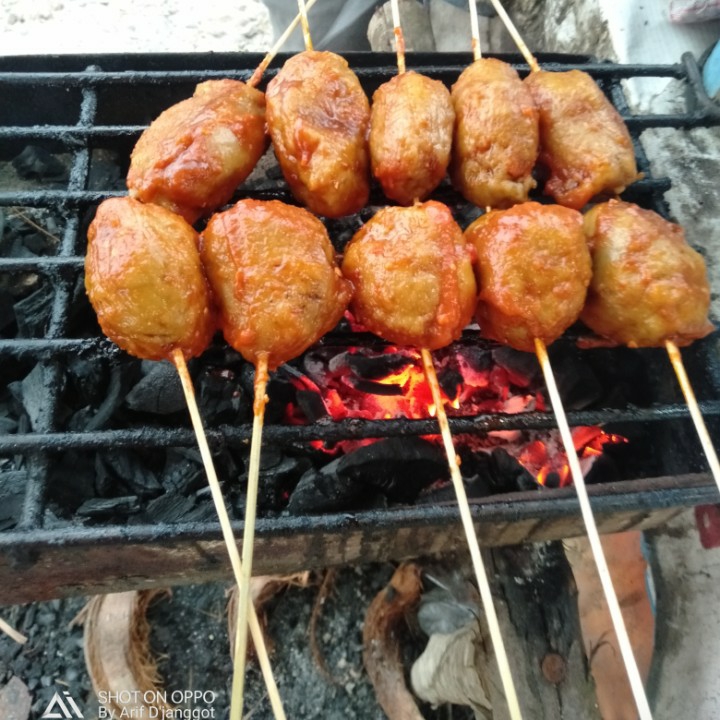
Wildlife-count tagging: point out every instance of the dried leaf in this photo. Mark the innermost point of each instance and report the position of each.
(263, 588)
(117, 652)
(627, 570)
(452, 669)
(15, 700)
(381, 649)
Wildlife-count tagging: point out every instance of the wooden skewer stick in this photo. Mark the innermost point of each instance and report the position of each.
(510, 27)
(305, 25)
(689, 393)
(475, 31)
(11, 632)
(216, 492)
(244, 605)
(466, 517)
(636, 683)
(275, 49)
(399, 37)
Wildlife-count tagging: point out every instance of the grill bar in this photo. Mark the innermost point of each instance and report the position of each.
(94, 111)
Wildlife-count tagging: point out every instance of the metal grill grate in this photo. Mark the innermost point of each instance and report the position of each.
(77, 105)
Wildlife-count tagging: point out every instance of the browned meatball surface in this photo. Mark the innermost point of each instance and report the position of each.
(272, 270)
(195, 154)
(318, 118)
(496, 135)
(412, 273)
(583, 140)
(533, 271)
(144, 278)
(648, 284)
(411, 131)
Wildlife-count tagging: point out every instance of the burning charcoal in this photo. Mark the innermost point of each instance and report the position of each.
(450, 380)
(506, 474)
(170, 508)
(280, 392)
(221, 397)
(477, 358)
(522, 368)
(276, 482)
(373, 388)
(12, 493)
(36, 163)
(400, 467)
(105, 507)
(323, 490)
(33, 312)
(127, 468)
(158, 392)
(312, 405)
(374, 367)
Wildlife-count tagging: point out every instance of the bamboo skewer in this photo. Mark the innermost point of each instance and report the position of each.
(307, 38)
(245, 607)
(455, 474)
(636, 683)
(702, 431)
(474, 31)
(11, 632)
(275, 49)
(228, 536)
(466, 517)
(510, 27)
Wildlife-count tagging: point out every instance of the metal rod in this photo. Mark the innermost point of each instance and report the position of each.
(466, 517)
(636, 683)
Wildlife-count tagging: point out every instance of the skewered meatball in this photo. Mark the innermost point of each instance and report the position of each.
(496, 135)
(195, 154)
(272, 269)
(648, 284)
(318, 119)
(413, 276)
(533, 271)
(144, 278)
(583, 139)
(411, 130)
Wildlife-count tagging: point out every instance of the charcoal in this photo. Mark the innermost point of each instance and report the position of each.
(12, 493)
(578, 385)
(312, 405)
(105, 507)
(183, 472)
(320, 491)
(450, 380)
(276, 482)
(522, 367)
(373, 367)
(126, 467)
(221, 397)
(270, 457)
(33, 312)
(170, 508)
(105, 171)
(32, 392)
(506, 474)
(90, 419)
(36, 163)
(158, 392)
(374, 388)
(400, 467)
(478, 358)
(7, 310)
(71, 482)
(445, 493)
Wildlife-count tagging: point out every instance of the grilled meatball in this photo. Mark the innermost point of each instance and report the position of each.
(533, 271)
(496, 135)
(272, 269)
(318, 117)
(648, 284)
(413, 276)
(144, 278)
(411, 130)
(583, 140)
(195, 154)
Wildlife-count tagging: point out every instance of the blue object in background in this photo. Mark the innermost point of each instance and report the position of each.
(711, 73)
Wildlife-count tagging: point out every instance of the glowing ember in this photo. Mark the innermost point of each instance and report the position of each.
(390, 383)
